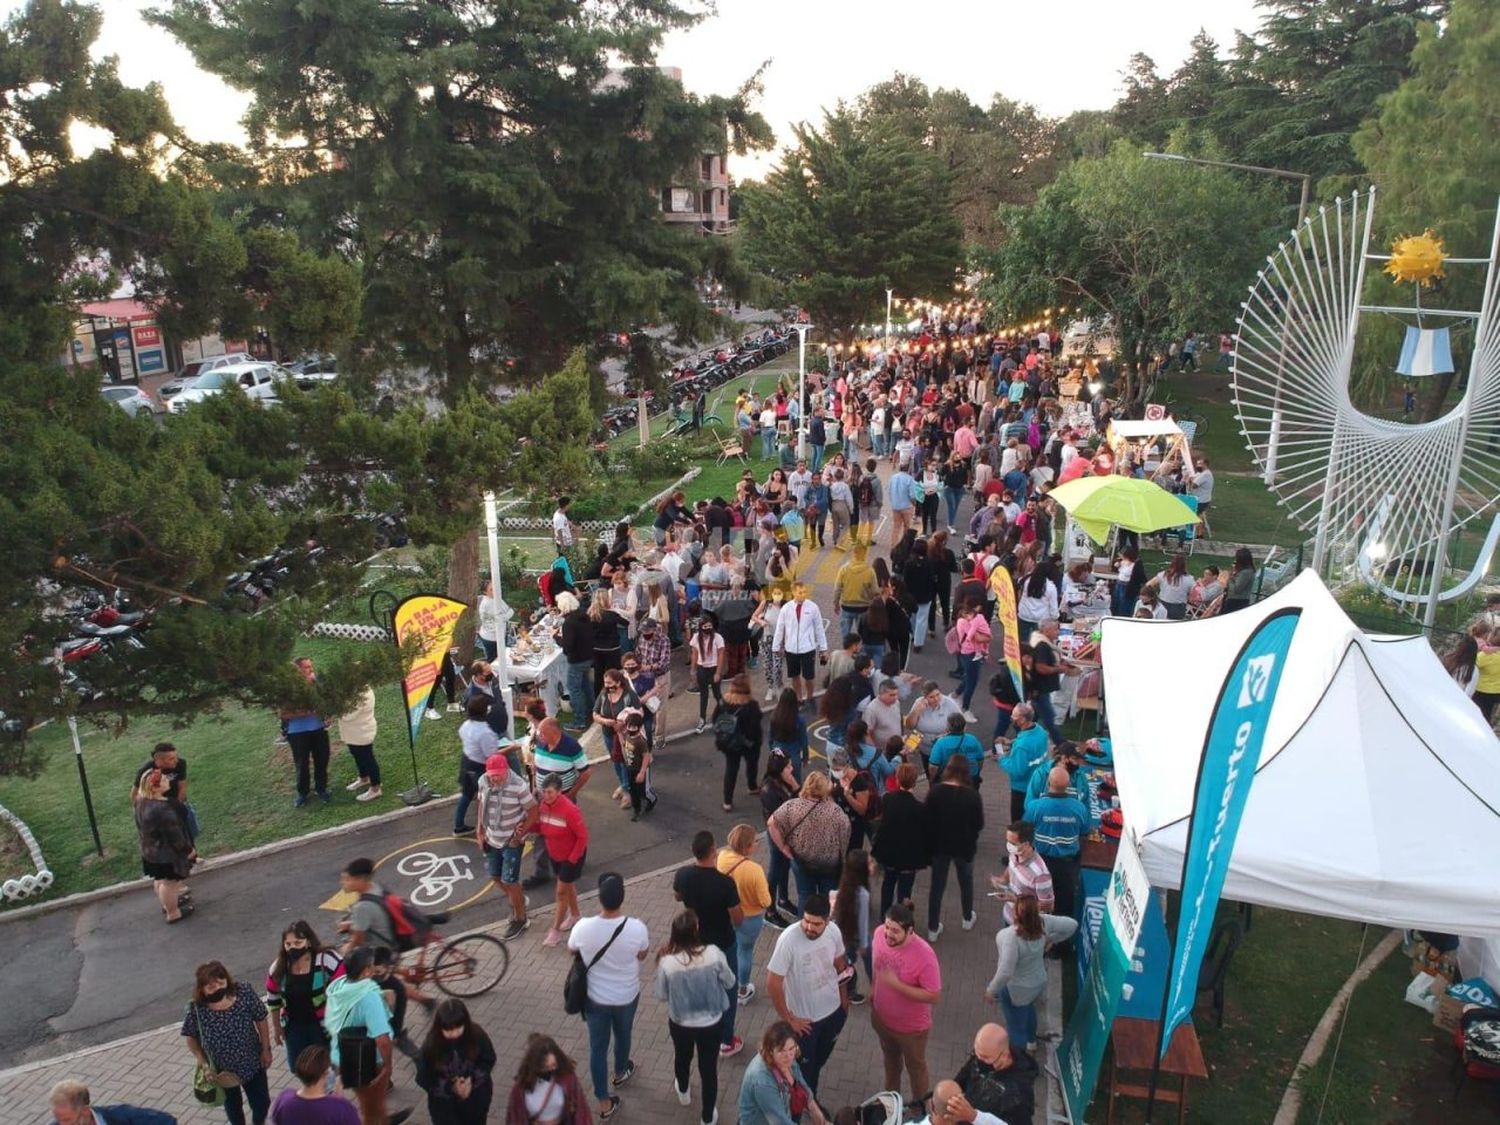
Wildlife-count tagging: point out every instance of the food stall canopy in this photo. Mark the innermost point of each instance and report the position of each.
(1377, 794)
(1136, 429)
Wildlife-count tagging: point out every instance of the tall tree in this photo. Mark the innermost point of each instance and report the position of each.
(852, 209)
(498, 185)
(1431, 151)
(1124, 237)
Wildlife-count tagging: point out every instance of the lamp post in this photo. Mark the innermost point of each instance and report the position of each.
(1273, 440)
(802, 331)
(502, 614)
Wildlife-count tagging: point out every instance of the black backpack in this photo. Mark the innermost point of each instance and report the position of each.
(728, 738)
(866, 493)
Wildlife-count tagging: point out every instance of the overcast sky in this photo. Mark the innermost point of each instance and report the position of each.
(1060, 56)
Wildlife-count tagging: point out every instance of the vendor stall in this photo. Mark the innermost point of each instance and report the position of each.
(1148, 442)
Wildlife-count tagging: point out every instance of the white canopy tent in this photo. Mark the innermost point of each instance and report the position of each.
(1377, 796)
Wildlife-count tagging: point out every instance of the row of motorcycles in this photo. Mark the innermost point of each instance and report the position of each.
(701, 374)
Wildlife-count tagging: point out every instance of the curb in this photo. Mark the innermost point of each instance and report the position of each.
(114, 890)
(85, 1052)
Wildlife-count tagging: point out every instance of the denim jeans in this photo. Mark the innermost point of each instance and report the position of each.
(817, 1045)
(727, 1027)
(877, 442)
(254, 1090)
(1046, 717)
(919, 625)
(779, 874)
(1020, 1020)
(953, 497)
(970, 664)
(965, 871)
(851, 445)
(809, 884)
(604, 1021)
(767, 444)
(744, 945)
(876, 653)
(469, 773)
(895, 886)
(849, 622)
(817, 458)
(581, 692)
(299, 1037)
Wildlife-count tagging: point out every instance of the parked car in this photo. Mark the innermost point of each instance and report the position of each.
(191, 371)
(313, 369)
(258, 380)
(130, 399)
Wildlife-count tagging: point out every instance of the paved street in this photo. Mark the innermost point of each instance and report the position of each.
(78, 979)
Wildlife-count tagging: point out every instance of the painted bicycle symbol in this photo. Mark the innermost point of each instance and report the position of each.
(436, 876)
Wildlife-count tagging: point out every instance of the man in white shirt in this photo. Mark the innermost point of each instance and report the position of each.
(767, 431)
(807, 979)
(798, 481)
(564, 530)
(614, 981)
(801, 638)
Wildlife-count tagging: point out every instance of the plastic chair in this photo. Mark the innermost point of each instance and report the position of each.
(730, 447)
(1226, 939)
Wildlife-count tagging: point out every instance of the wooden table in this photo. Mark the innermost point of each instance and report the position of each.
(1134, 1042)
(1098, 855)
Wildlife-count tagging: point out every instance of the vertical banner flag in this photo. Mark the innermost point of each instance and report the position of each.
(1005, 610)
(1231, 754)
(1081, 1052)
(431, 619)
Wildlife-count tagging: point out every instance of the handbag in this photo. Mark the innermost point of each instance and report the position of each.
(576, 984)
(209, 1091)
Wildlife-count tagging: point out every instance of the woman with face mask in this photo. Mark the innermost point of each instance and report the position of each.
(297, 990)
(454, 1067)
(547, 1090)
(227, 1033)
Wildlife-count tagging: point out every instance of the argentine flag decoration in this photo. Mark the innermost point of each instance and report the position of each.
(1425, 352)
(1231, 755)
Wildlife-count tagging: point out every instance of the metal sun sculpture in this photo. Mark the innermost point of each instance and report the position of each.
(1381, 494)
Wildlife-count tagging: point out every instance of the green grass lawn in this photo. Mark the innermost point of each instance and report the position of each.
(240, 782)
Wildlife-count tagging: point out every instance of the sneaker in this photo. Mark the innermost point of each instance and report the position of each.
(611, 1109)
(615, 796)
(554, 937)
(369, 794)
(775, 920)
(432, 714)
(455, 708)
(969, 920)
(683, 1097)
(747, 993)
(624, 800)
(788, 909)
(856, 997)
(465, 830)
(933, 935)
(567, 923)
(325, 796)
(517, 927)
(356, 785)
(970, 717)
(300, 801)
(732, 1048)
(624, 1076)
(702, 726)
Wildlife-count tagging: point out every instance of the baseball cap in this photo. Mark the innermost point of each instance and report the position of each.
(496, 763)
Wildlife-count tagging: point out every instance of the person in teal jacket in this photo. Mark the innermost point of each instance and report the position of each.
(1027, 751)
(1070, 757)
(957, 741)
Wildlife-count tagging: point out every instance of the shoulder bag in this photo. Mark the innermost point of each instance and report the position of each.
(209, 1091)
(576, 984)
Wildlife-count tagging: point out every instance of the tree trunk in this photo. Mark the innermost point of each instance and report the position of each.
(463, 586)
(1437, 393)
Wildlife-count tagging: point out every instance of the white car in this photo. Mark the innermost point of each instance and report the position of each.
(130, 399)
(191, 371)
(258, 380)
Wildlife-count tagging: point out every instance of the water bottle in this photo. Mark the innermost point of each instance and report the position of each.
(1065, 638)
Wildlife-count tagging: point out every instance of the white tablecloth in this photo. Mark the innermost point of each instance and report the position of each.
(546, 672)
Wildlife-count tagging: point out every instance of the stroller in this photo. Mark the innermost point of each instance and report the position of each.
(885, 1108)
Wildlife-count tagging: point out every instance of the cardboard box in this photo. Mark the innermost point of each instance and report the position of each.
(1448, 1014)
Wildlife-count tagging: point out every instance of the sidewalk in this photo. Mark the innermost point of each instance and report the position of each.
(154, 1069)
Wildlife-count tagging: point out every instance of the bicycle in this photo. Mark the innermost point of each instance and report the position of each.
(465, 967)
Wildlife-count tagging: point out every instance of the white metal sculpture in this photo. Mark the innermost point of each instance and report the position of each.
(1382, 494)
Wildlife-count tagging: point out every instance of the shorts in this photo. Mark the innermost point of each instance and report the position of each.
(569, 872)
(802, 665)
(503, 863)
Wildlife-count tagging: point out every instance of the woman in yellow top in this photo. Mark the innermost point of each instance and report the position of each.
(1487, 690)
(749, 877)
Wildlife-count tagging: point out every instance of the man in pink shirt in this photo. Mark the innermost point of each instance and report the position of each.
(964, 441)
(906, 983)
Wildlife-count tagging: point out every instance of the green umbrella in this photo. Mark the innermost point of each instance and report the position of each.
(1136, 505)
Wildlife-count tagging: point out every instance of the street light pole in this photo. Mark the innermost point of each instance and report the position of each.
(1273, 440)
(502, 650)
(802, 331)
(889, 295)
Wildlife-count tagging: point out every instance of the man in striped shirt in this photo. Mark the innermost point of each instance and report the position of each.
(555, 752)
(1025, 871)
(507, 809)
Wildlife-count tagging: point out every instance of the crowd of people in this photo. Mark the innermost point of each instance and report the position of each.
(864, 778)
